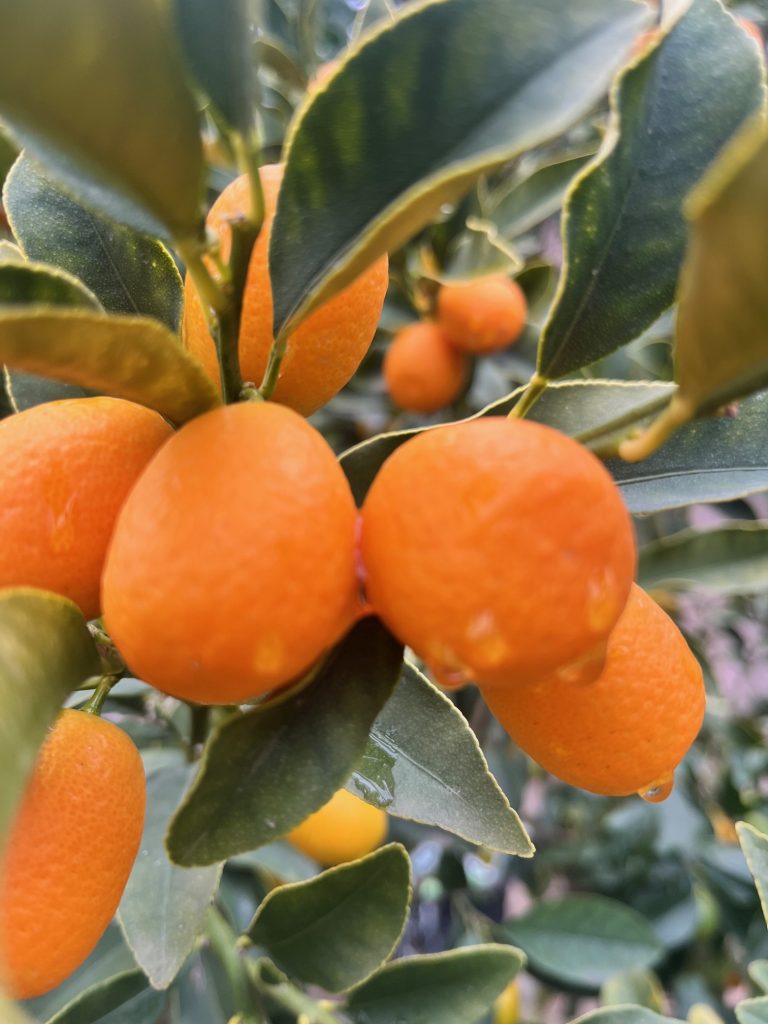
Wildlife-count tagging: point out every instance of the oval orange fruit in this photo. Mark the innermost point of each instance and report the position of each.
(69, 852)
(325, 350)
(67, 468)
(344, 829)
(232, 565)
(484, 315)
(422, 370)
(497, 547)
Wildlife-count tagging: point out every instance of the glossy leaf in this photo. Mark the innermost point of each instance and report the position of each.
(265, 771)
(754, 846)
(216, 38)
(721, 343)
(124, 999)
(624, 231)
(164, 908)
(752, 1011)
(423, 762)
(624, 1015)
(378, 150)
(583, 940)
(26, 390)
(731, 559)
(127, 271)
(536, 196)
(24, 284)
(338, 928)
(45, 652)
(113, 108)
(457, 987)
(128, 357)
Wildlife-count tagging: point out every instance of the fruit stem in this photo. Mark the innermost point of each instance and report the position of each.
(535, 388)
(223, 944)
(95, 702)
(247, 151)
(291, 999)
(272, 372)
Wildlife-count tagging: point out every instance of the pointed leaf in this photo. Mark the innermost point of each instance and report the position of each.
(457, 987)
(164, 908)
(125, 999)
(128, 272)
(583, 940)
(128, 357)
(45, 652)
(265, 771)
(363, 175)
(338, 928)
(217, 44)
(752, 1011)
(624, 231)
(731, 559)
(754, 846)
(114, 107)
(423, 762)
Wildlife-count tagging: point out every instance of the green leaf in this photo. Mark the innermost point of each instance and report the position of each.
(758, 973)
(423, 762)
(731, 559)
(634, 986)
(281, 860)
(715, 459)
(216, 38)
(28, 389)
(535, 196)
(265, 771)
(164, 908)
(583, 940)
(128, 357)
(24, 284)
(457, 987)
(113, 108)
(338, 928)
(127, 271)
(624, 231)
(375, 154)
(721, 342)
(624, 1015)
(46, 651)
(752, 1011)
(125, 999)
(754, 846)
(8, 154)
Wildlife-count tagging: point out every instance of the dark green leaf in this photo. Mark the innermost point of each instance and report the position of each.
(114, 106)
(752, 1011)
(216, 38)
(28, 389)
(164, 908)
(624, 229)
(536, 196)
(338, 928)
(265, 771)
(128, 357)
(457, 987)
(23, 284)
(128, 272)
(754, 846)
(125, 999)
(423, 762)
(450, 90)
(583, 940)
(731, 559)
(45, 652)
(624, 1015)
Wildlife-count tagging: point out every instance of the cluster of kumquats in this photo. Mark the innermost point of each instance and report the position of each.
(228, 556)
(427, 365)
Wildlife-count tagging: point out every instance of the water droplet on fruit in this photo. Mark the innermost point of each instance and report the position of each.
(659, 791)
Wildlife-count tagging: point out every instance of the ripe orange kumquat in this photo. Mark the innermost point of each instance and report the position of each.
(232, 567)
(342, 830)
(484, 315)
(625, 732)
(422, 370)
(69, 853)
(497, 548)
(67, 468)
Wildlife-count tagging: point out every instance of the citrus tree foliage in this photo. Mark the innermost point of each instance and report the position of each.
(619, 176)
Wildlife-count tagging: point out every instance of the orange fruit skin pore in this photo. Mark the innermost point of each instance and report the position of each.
(232, 566)
(69, 852)
(626, 731)
(423, 372)
(484, 315)
(67, 469)
(497, 547)
(342, 830)
(325, 350)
